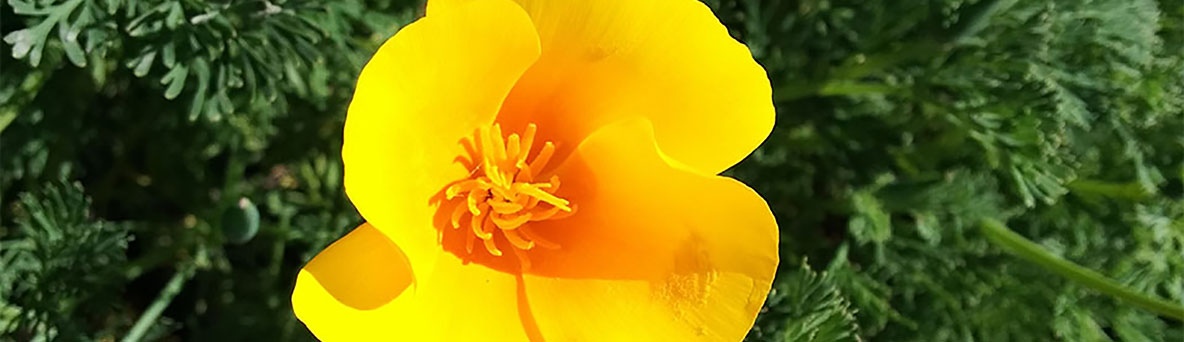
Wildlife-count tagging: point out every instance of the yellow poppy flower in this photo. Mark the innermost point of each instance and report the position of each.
(548, 170)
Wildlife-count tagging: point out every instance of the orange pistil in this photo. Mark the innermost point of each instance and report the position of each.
(502, 195)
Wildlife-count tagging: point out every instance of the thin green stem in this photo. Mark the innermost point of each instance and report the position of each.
(999, 234)
(154, 258)
(841, 79)
(855, 88)
(150, 315)
(857, 67)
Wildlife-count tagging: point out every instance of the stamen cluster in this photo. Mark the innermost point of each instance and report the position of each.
(502, 194)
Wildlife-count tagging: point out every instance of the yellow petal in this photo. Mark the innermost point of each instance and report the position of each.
(670, 61)
(352, 284)
(361, 288)
(657, 252)
(425, 89)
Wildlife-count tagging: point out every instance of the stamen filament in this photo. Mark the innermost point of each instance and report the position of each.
(554, 213)
(543, 196)
(510, 222)
(505, 207)
(458, 188)
(524, 173)
(523, 259)
(517, 240)
(475, 224)
(545, 214)
(541, 242)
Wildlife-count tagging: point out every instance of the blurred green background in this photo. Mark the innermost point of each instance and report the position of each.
(169, 165)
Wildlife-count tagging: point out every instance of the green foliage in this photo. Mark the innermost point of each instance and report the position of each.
(224, 56)
(901, 124)
(805, 306)
(64, 267)
(174, 112)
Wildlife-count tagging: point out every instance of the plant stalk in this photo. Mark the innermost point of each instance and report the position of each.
(999, 234)
(150, 315)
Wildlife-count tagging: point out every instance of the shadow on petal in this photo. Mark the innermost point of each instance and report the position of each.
(363, 270)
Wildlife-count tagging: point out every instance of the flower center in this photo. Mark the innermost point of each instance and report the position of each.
(505, 191)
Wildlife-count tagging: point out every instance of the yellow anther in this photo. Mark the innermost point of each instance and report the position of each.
(543, 157)
(457, 213)
(464, 187)
(554, 183)
(495, 176)
(512, 147)
(527, 141)
(499, 145)
(492, 248)
(475, 222)
(473, 200)
(486, 145)
(481, 228)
